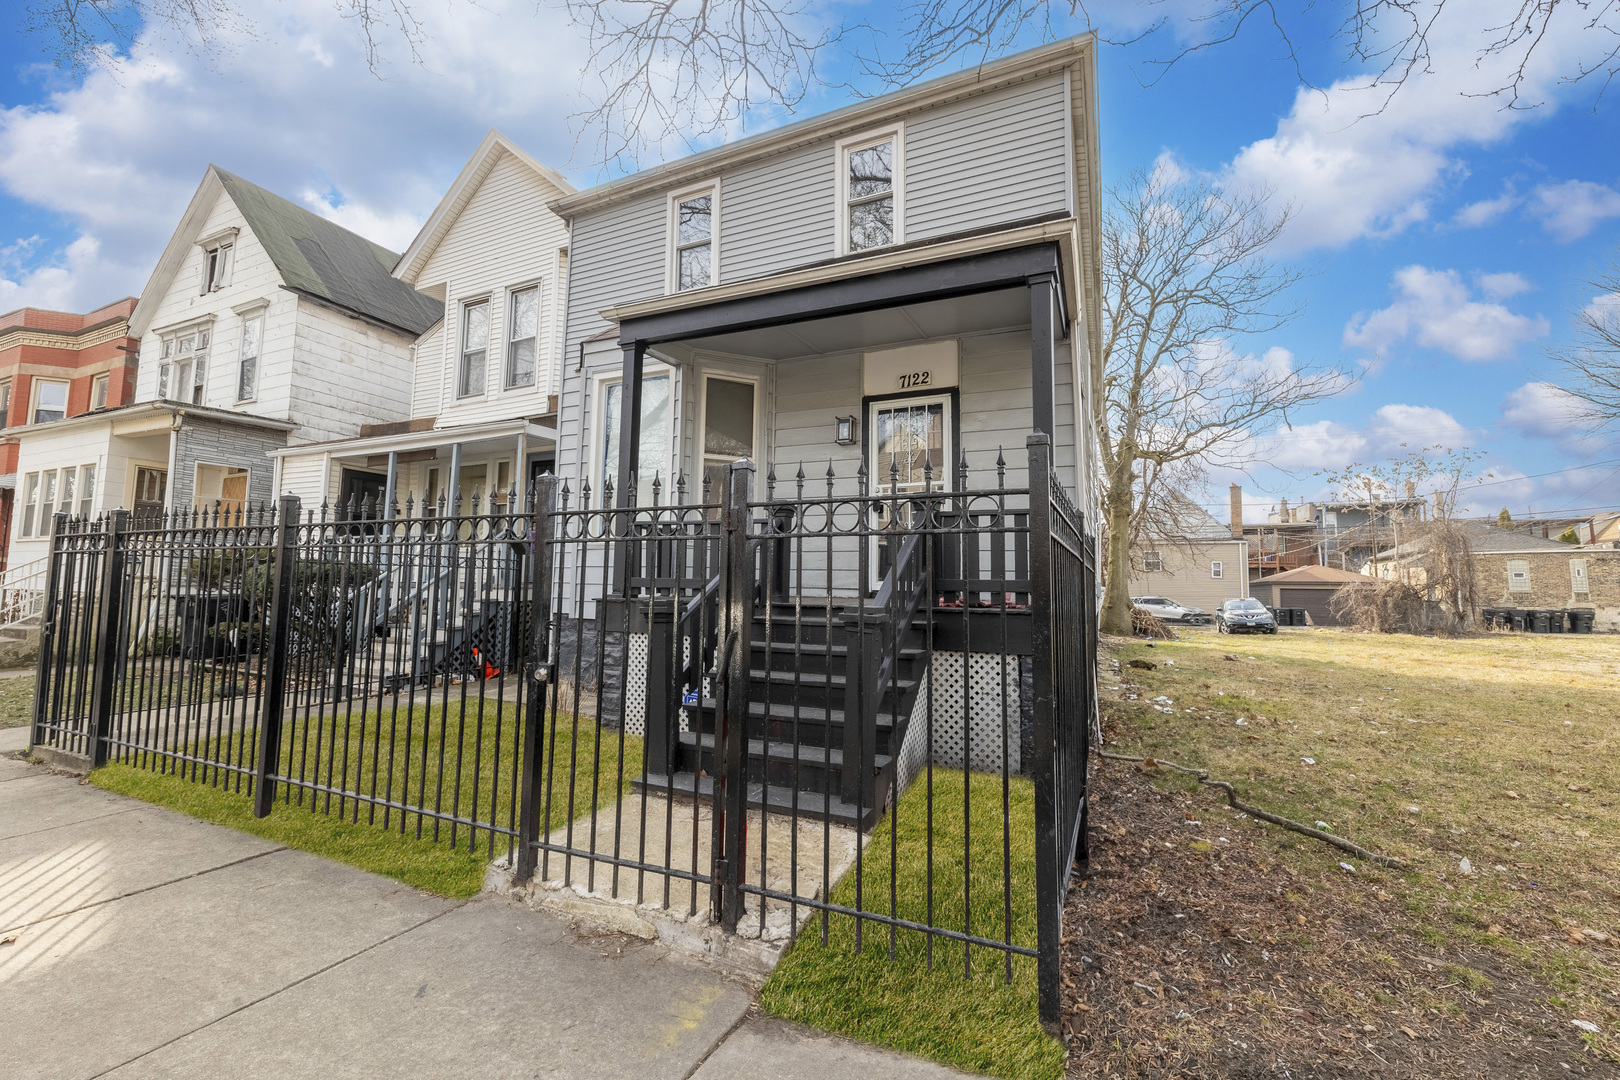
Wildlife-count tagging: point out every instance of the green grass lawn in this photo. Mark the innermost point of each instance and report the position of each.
(397, 756)
(979, 1022)
(16, 701)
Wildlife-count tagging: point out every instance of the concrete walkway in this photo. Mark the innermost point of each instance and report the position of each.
(137, 942)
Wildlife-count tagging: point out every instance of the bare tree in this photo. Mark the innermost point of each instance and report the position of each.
(1592, 360)
(1184, 272)
(1391, 40)
(681, 70)
(83, 34)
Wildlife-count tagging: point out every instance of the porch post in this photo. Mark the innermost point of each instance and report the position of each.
(635, 353)
(454, 485)
(1042, 350)
(388, 489)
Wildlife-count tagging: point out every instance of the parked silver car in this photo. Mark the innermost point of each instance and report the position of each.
(1166, 609)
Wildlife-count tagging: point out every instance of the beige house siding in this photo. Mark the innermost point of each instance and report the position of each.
(1186, 576)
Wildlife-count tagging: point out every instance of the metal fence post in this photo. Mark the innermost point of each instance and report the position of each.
(542, 524)
(736, 649)
(283, 570)
(50, 617)
(109, 634)
(1048, 875)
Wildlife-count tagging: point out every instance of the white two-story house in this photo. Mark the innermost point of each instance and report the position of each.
(263, 325)
(484, 379)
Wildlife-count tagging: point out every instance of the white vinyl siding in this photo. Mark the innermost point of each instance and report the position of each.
(616, 256)
(756, 237)
(503, 239)
(994, 158)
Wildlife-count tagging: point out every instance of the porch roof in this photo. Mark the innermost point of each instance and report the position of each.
(423, 440)
(147, 416)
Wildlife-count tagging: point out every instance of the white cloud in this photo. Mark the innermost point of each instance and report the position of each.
(1501, 286)
(1570, 210)
(1605, 310)
(1433, 308)
(1543, 411)
(1353, 161)
(1486, 211)
(290, 106)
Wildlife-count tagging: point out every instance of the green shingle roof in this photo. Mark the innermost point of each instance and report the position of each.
(327, 261)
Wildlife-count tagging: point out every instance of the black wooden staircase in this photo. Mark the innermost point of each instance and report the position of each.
(805, 684)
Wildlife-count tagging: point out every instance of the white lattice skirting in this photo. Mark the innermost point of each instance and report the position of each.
(981, 711)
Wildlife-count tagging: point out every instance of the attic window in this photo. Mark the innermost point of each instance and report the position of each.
(693, 232)
(217, 262)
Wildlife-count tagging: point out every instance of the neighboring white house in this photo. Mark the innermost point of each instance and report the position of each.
(483, 387)
(263, 324)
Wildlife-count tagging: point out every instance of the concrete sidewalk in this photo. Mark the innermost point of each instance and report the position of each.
(137, 942)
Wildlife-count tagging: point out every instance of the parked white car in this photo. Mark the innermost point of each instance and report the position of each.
(1166, 609)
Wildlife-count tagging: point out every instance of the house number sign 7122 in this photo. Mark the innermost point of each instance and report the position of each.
(912, 379)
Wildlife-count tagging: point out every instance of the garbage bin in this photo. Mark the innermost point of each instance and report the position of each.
(1538, 621)
(1580, 622)
(1557, 621)
(1518, 619)
(1489, 618)
(1298, 615)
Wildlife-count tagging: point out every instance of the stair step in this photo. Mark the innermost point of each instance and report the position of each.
(811, 805)
(825, 757)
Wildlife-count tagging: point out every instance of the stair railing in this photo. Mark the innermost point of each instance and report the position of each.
(877, 634)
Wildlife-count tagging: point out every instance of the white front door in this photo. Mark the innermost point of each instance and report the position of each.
(910, 453)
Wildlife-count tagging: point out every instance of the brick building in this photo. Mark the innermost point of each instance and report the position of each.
(57, 364)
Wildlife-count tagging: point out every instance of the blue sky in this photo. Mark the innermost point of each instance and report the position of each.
(1446, 239)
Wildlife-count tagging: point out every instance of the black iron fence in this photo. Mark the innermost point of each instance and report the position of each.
(856, 708)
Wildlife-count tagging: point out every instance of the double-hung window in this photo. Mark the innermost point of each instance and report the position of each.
(522, 337)
(217, 267)
(247, 365)
(183, 370)
(474, 348)
(653, 456)
(50, 401)
(30, 503)
(869, 192)
(5, 402)
(1216, 569)
(693, 258)
(98, 391)
(1152, 562)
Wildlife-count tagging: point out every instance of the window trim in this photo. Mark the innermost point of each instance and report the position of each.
(1152, 561)
(507, 322)
(100, 386)
(672, 244)
(1217, 568)
(897, 133)
(28, 505)
(725, 375)
(461, 346)
(249, 316)
(596, 459)
(35, 384)
(6, 386)
(167, 358)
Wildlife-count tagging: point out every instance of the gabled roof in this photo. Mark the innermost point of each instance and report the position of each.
(494, 147)
(1312, 575)
(1482, 537)
(316, 257)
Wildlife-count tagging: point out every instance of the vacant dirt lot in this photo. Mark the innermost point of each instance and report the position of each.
(1204, 943)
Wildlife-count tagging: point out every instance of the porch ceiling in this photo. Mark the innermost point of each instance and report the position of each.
(1004, 309)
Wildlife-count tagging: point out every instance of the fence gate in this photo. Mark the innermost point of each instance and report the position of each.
(820, 706)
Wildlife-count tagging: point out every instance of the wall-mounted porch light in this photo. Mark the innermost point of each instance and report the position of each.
(846, 431)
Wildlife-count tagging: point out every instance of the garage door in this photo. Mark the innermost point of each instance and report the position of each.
(1314, 601)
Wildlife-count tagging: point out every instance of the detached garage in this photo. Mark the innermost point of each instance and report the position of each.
(1309, 587)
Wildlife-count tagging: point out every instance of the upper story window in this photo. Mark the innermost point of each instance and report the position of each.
(522, 337)
(247, 364)
(5, 402)
(98, 390)
(1152, 562)
(183, 370)
(217, 266)
(869, 192)
(474, 348)
(692, 260)
(50, 401)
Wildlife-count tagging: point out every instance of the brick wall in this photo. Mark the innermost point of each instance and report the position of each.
(1551, 585)
(215, 442)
